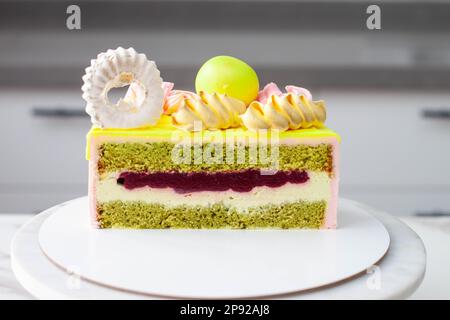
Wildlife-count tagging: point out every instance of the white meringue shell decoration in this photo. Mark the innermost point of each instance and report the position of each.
(143, 102)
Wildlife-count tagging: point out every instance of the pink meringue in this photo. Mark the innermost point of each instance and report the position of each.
(269, 90)
(167, 87)
(174, 98)
(299, 91)
(272, 89)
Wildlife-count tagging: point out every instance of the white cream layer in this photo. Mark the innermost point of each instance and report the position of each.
(317, 188)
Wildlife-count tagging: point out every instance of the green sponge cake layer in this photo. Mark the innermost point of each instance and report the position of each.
(137, 214)
(158, 157)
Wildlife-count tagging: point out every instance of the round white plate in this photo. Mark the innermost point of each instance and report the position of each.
(213, 263)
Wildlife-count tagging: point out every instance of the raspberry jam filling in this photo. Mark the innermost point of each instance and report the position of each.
(242, 181)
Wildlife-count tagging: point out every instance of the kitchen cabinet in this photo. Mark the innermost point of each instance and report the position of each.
(43, 146)
(395, 148)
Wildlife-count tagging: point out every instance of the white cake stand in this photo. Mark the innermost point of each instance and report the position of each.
(396, 275)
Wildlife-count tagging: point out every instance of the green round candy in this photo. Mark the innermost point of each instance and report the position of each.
(228, 75)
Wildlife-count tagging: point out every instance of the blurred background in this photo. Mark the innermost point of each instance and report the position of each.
(387, 90)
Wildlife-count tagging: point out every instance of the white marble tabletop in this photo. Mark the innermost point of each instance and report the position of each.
(9, 287)
(435, 232)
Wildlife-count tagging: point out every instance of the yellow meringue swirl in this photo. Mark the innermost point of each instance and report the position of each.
(290, 111)
(213, 111)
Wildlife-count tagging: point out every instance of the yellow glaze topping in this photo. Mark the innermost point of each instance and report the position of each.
(164, 130)
(209, 111)
(290, 111)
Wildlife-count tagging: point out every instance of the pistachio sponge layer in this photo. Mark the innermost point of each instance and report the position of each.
(140, 215)
(157, 157)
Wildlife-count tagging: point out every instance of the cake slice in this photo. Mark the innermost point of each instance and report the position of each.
(163, 177)
(226, 156)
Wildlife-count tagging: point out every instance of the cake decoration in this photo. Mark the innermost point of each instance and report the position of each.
(285, 178)
(167, 88)
(173, 99)
(272, 89)
(299, 91)
(289, 111)
(230, 76)
(211, 111)
(143, 102)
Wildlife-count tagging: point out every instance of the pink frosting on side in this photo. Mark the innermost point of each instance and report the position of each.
(272, 89)
(92, 184)
(331, 214)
